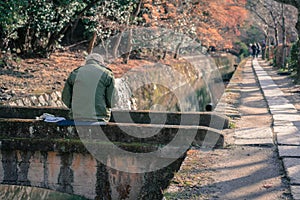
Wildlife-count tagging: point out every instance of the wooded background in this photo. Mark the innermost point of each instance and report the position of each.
(37, 28)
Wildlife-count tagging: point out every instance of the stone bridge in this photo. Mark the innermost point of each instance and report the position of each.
(52, 156)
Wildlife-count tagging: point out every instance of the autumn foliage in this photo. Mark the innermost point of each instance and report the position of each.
(214, 23)
(35, 30)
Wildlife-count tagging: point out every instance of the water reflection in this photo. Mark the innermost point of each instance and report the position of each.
(14, 192)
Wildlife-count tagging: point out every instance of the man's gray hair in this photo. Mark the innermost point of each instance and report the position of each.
(95, 56)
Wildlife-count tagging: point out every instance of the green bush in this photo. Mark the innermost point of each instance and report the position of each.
(293, 58)
(243, 50)
(35, 26)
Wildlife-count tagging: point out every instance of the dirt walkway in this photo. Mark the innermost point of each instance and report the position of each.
(248, 167)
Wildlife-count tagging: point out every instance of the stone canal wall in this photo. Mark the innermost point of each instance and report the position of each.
(81, 174)
(47, 99)
(224, 62)
(47, 155)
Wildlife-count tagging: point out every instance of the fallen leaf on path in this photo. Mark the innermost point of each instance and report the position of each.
(267, 186)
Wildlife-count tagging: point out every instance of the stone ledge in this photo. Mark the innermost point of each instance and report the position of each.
(116, 132)
(209, 119)
(287, 135)
(292, 168)
(295, 189)
(289, 151)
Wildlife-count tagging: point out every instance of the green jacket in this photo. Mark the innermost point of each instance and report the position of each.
(90, 92)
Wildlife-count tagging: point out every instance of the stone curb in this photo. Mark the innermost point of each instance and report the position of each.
(286, 127)
(225, 106)
(47, 99)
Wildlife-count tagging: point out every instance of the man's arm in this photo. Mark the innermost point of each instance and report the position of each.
(111, 94)
(67, 93)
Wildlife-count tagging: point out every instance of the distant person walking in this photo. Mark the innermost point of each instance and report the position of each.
(253, 48)
(89, 91)
(257, 50)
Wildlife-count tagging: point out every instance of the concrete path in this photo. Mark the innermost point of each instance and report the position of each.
(248, 167)
(286, 127)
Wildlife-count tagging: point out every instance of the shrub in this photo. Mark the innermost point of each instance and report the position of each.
(34, 27)
(293, 58)
(243, 49)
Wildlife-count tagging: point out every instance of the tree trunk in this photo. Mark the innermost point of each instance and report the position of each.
(276, 36)
(295, 3)
(298, 45)
(116, 46)
(283, 38)
(129, 47)
(164, 55)
(264, 45)
(178, 48)
(92, 43)
(269, 48)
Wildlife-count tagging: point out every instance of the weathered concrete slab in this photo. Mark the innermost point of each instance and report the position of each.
(282, 123)
(281, 109)
(275, 100)
(254, 136)
(289, 151)
(297, 124)
(285, 139)
(153, 134)
(287, 135)
(251, 133)
(292, 168)
(287, 117)
(288, 129)
(30, 112)
(258, 142)
(210, 119)
(295, 189)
